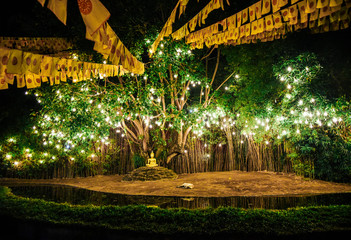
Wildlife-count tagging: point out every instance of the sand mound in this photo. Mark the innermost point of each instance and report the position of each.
(150, 174)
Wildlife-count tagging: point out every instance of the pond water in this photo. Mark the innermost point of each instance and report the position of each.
(79, 196)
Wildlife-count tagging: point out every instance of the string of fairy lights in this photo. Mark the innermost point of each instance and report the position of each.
(302, 113)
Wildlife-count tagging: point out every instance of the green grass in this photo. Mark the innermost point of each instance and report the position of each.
(169, 221)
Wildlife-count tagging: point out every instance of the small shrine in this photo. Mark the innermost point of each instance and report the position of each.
(151, 162)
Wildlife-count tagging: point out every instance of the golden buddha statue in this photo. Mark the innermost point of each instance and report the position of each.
(151, 162)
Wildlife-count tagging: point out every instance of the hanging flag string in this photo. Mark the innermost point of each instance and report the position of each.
(249, 25)
(31, 69)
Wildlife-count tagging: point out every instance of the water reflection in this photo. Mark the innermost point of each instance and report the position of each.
(79, 196)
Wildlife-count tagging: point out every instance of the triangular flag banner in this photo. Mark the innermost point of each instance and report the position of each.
(59, 8)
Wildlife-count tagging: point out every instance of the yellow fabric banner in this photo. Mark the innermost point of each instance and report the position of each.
(94, 14)
(20, 81)
(277, 20)
(334, 3)
(252, 12)
(30, 81)
(311, 6)
(245, 15)
(282, 3)
(322, 3)
(59, 8)
(266, 6)
(303, 14)
(275, 6)
(3, 83)
(269, 22)
(15, 62)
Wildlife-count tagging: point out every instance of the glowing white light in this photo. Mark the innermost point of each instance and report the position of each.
(289, 69)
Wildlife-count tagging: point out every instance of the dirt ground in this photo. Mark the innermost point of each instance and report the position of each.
(209, 184)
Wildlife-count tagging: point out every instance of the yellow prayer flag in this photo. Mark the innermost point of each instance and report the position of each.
(334, 17)
(322, 3)
(69, 68)
(35, 63)
(46, 66)
(282, 3)
(285, 13)
(224, 24)
(292, 11)
(247, 29)
(192, 23)
(14, 65)
(63, 77)
(303, 15)
(242, 31)
(325, 11)
(236, 33)
(311, 6)
(44, 79)
(3, 83)
(275, 6)
(30, 80)
(254, 28)
(277, 20)
(94, 14)
(314, 15)
(266, 6)
(260, 25)
(321, 21)
(20, 81)
(245, 15)
(258, 9)
(231, 22)
(27, 60)
(238, 19)
(37, 80)
(252, 12)
(4, 58)
(269, 22)
(59, 8)
(334, 3)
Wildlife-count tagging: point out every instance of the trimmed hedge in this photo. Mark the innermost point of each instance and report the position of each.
(168, 221)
